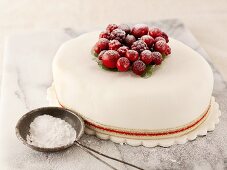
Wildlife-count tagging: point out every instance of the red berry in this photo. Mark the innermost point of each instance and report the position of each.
(101, 54)
(138, 67)
(160, 46)
(114, 45)
(165, 36)
(104, 34)
(157, 58)
(155, 32)
(123, 64)
(109, 58)
(96, 49)
(125, 28)
(139, 46)
(132, 55)
(159, 39)
(148, 40)
(111, 27)
(129, 40)
(118, 34)
(122, 50)
(139, 30)
(146, 57)
(102, 44)
(168, 51)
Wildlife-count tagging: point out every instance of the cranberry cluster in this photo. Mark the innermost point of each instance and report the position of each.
(136, 48)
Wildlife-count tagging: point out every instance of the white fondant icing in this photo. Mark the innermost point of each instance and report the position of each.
(201, 130)
(178, 92)
(206, 126)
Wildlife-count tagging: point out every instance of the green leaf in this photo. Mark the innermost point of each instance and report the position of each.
(148, 72)
(164, 56)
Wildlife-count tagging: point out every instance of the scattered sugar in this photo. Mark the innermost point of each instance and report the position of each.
(48, 132)
(173, 160)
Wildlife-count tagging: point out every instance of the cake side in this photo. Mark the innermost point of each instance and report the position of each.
(176, 94)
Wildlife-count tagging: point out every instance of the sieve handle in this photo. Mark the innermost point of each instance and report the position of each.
(84, 147)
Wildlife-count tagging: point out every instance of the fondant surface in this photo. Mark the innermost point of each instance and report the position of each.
(177, 93)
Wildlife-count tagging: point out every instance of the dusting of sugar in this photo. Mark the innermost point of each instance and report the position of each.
(138, 26)
(146, 52)
(48, 132)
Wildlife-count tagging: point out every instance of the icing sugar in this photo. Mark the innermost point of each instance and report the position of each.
(48, 132)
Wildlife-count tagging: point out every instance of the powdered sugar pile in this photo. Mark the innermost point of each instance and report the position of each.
(48, 132)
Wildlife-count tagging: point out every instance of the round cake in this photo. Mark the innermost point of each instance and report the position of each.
(172, 102)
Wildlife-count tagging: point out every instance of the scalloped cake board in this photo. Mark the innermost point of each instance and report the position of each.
(201, 130)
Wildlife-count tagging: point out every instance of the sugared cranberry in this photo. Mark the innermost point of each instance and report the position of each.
(168, 51)
(129, 40)
(155, 32)
(148, 40)
(132, 55)
(139, 30)
(138, 67)
(102, 44)
(165, 36)
(156, 58)
(111, 27)
(114, 44)
(104, 34)
(146, 57)
(160, 46)
(159, 39)
(139, 46)
(123, 64)
(109, 58)
(101, 54)
(122, 50)
(96, 49)
(118, 34)
(125, 28)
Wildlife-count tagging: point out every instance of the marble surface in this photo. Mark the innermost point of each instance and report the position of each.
(27, 75)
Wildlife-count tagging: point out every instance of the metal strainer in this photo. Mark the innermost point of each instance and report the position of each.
(23, 126)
